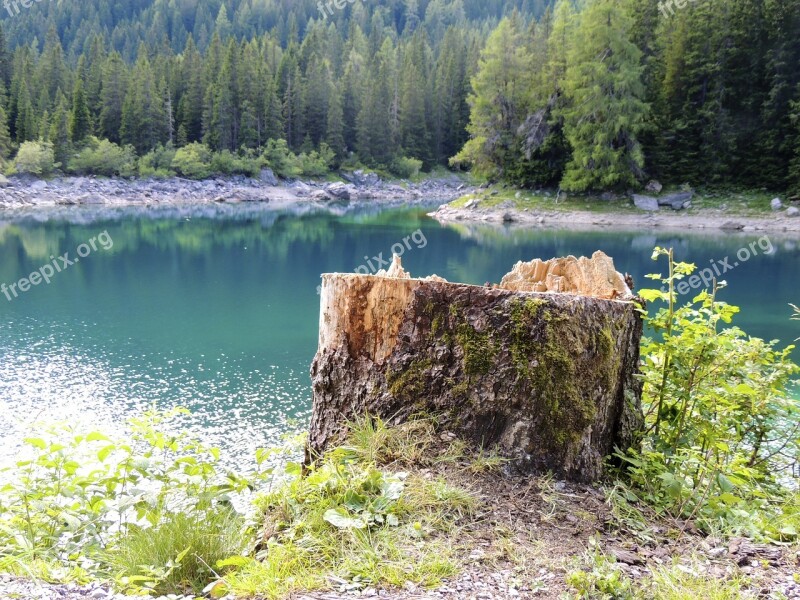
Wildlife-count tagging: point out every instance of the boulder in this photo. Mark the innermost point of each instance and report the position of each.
(340, 190)
(268, 176)
(792, 211)
(645, 202)
(776, 204)
(4, 182)
(654, 187)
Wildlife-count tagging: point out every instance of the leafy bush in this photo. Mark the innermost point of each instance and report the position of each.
(722, 426)
(405, 167)
(317, 164)
(102, 157)
(193, 161)
(35, 158)
(282, 160)
(154, 511)
(228, 163)
(84, 500)
(158, 162)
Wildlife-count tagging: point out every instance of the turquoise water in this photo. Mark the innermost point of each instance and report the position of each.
(216, 308)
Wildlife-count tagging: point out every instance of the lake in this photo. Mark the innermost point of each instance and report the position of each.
(216, 308)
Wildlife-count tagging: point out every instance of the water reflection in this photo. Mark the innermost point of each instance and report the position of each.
(215, 307)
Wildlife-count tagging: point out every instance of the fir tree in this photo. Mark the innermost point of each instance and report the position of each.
(606, 110)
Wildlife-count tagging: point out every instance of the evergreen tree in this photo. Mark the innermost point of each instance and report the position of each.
(334, 131)
(5, 136)
(59, 130)
(606, 110)
(114, 89)
(80, 120)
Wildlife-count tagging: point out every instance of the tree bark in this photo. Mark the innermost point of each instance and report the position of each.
(548, 378)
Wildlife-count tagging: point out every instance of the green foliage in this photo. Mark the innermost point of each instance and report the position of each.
(35, 158)
(348, 520)
(605, 111)
(316, 164)
(281, 160)
(601, 577)
(101, 157)
(405, 168)
(722, 426)
(228, 163)
(87, 501)
(181, 553)
(157, 162)
(154, 512)
(193, 161)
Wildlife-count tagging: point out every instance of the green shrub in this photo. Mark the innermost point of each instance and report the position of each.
(35, 158)
(282, 160)
(102, 157)
(405, 167)
(158, 162)
(722, 426)
(62, 505)
(228, 163)
(317, 164)
(193, 161)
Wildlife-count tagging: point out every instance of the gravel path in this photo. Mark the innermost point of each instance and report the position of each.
(15, 588)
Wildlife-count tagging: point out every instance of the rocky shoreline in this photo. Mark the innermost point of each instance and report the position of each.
(695, 219)
(22, 192)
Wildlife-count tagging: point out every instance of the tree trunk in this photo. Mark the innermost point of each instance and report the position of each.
(548, 378)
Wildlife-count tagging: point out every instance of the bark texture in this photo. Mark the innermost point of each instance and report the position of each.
(548, 378)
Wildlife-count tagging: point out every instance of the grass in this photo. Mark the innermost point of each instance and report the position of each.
(188, 546)
(733, 202)
(357, 520)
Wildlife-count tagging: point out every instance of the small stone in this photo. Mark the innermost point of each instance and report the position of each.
(792, 211)
(776, 204)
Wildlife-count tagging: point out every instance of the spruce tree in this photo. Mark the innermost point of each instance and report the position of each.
(80, 120)
(606, 111)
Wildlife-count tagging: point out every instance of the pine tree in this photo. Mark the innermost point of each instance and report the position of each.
(80, 120)
(414, 136)
(499, 102)
(5, 136)
(59, 130)
(334, 131)
(606, 110)
(26, 128)
(114, 88)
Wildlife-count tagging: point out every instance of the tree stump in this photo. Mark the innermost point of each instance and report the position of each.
(543, 366)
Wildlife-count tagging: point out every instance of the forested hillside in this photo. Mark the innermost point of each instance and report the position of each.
(383, 79)
(629, 89)
(603, 96)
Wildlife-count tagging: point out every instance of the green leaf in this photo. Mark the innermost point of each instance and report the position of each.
(96, 436)
(216, 589)
(36, 443)
(339, 518)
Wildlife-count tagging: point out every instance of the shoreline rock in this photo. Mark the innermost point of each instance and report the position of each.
(28, 192)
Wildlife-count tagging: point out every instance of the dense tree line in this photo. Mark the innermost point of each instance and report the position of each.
(594, 94)
(621, 90)
(380, 80)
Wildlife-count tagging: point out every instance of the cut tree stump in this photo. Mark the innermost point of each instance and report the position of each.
(543, 367)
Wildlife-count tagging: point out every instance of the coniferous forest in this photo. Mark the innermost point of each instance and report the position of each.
(594, 95)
